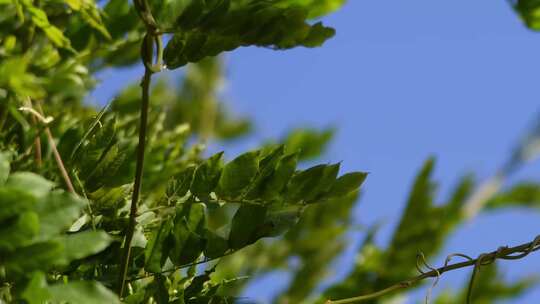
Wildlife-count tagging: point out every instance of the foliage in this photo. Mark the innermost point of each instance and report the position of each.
(206, 225)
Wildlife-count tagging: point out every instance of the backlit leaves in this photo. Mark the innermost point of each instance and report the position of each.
(347, 183)
(39, 18)
(316, 8)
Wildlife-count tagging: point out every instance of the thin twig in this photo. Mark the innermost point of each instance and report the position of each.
(56, 154)
(504, 253)
(37, 140)
(207, 260)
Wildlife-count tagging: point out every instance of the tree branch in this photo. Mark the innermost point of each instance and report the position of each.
(503, 253)
(147, 50)
(145, 84)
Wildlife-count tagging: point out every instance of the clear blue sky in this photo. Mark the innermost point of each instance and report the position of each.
(403, 80)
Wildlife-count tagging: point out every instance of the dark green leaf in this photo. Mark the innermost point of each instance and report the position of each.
(206, 177)
(246, 226)
(302, 186)
(154, 253)
(267, 166)
(325, 183)
(216, 246)
(347, 183)
(208, 31)
(528, 10)
(38, 256)
(19, 232)
(279, 179)
(281, 218)
(238, 174)
(187, 233)
(14, 201)
(179, 185)
(36, 291)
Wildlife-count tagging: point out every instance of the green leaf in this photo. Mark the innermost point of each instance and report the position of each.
(280, 219)
(157, 289)
(246, 225)
(57, 212)
(179, 185)
(30, 183)
(38, 256)
(20, 232)
(87, 292)
(267, 166)
(83, 244)
(95, 122)
(14, 76)
(39, 18)
(36, 291)
(238, 174)
(4, 167)
(155, 251)
(197, 284)
(529, 10)
(187, 233)
(105, 173)
(427, 235)
(216, 246)
(325, 183)
(108, 201)
(206, 177)
(281, 176)
(90, 14)
(520, 195)
(347, 183)
(191, 15)
(207, 30)
(316, 8)
(302, 186)
(309, 143)
(14, 201)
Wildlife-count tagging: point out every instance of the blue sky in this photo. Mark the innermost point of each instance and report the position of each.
(403, 80)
